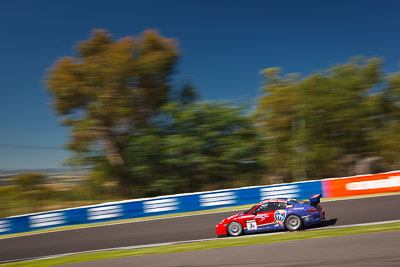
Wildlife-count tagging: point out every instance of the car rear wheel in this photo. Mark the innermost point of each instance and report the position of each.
(293, 223)
(235, 229)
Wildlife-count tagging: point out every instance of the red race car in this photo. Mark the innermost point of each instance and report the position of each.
(274, 214)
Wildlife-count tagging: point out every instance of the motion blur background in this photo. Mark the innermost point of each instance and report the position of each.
(105, 101)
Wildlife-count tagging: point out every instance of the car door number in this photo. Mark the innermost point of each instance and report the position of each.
(251, 225)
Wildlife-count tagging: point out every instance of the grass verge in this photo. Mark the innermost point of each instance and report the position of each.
(219, 243)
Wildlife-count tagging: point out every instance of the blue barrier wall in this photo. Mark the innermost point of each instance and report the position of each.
(157, 206)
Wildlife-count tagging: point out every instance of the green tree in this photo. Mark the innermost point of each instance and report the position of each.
(341, 111)
(277, 116)
(198, 146)
(388, 136)
(317, 125)
(109, 90)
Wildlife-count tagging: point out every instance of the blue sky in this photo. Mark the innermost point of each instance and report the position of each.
(224, 45)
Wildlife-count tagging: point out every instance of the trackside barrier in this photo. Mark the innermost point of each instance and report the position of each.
(156, 206)
(362, 185)
(136, 208)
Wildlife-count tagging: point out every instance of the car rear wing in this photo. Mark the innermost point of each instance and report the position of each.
(315, 199)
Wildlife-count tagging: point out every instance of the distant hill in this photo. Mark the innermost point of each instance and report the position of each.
(56, 177)
(19, 171)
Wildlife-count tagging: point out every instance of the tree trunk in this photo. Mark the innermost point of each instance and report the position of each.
(114, 157)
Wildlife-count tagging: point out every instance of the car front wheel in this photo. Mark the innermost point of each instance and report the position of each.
(235, 229)
(293, 223)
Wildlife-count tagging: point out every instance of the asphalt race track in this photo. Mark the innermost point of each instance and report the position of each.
(343, 212)
(365, 250)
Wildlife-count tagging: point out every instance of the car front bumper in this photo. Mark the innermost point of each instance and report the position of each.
(220, 230)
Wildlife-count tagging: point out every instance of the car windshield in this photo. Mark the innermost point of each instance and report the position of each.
(248, 210)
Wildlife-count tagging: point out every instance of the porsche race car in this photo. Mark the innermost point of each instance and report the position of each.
(274, 214)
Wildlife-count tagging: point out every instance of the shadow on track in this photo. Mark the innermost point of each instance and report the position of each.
(326, 223)
(321, 226)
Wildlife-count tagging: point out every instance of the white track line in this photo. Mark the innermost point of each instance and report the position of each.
(187, 241)
(180, 216)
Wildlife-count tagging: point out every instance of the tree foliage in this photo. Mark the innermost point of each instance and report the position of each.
(324, 124)
(110, 89)
(115, 95)
(388, 135)
(191, 147)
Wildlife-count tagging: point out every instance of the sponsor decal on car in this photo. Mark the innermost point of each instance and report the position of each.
(247, 216)
(262, 217)
(280, 216)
